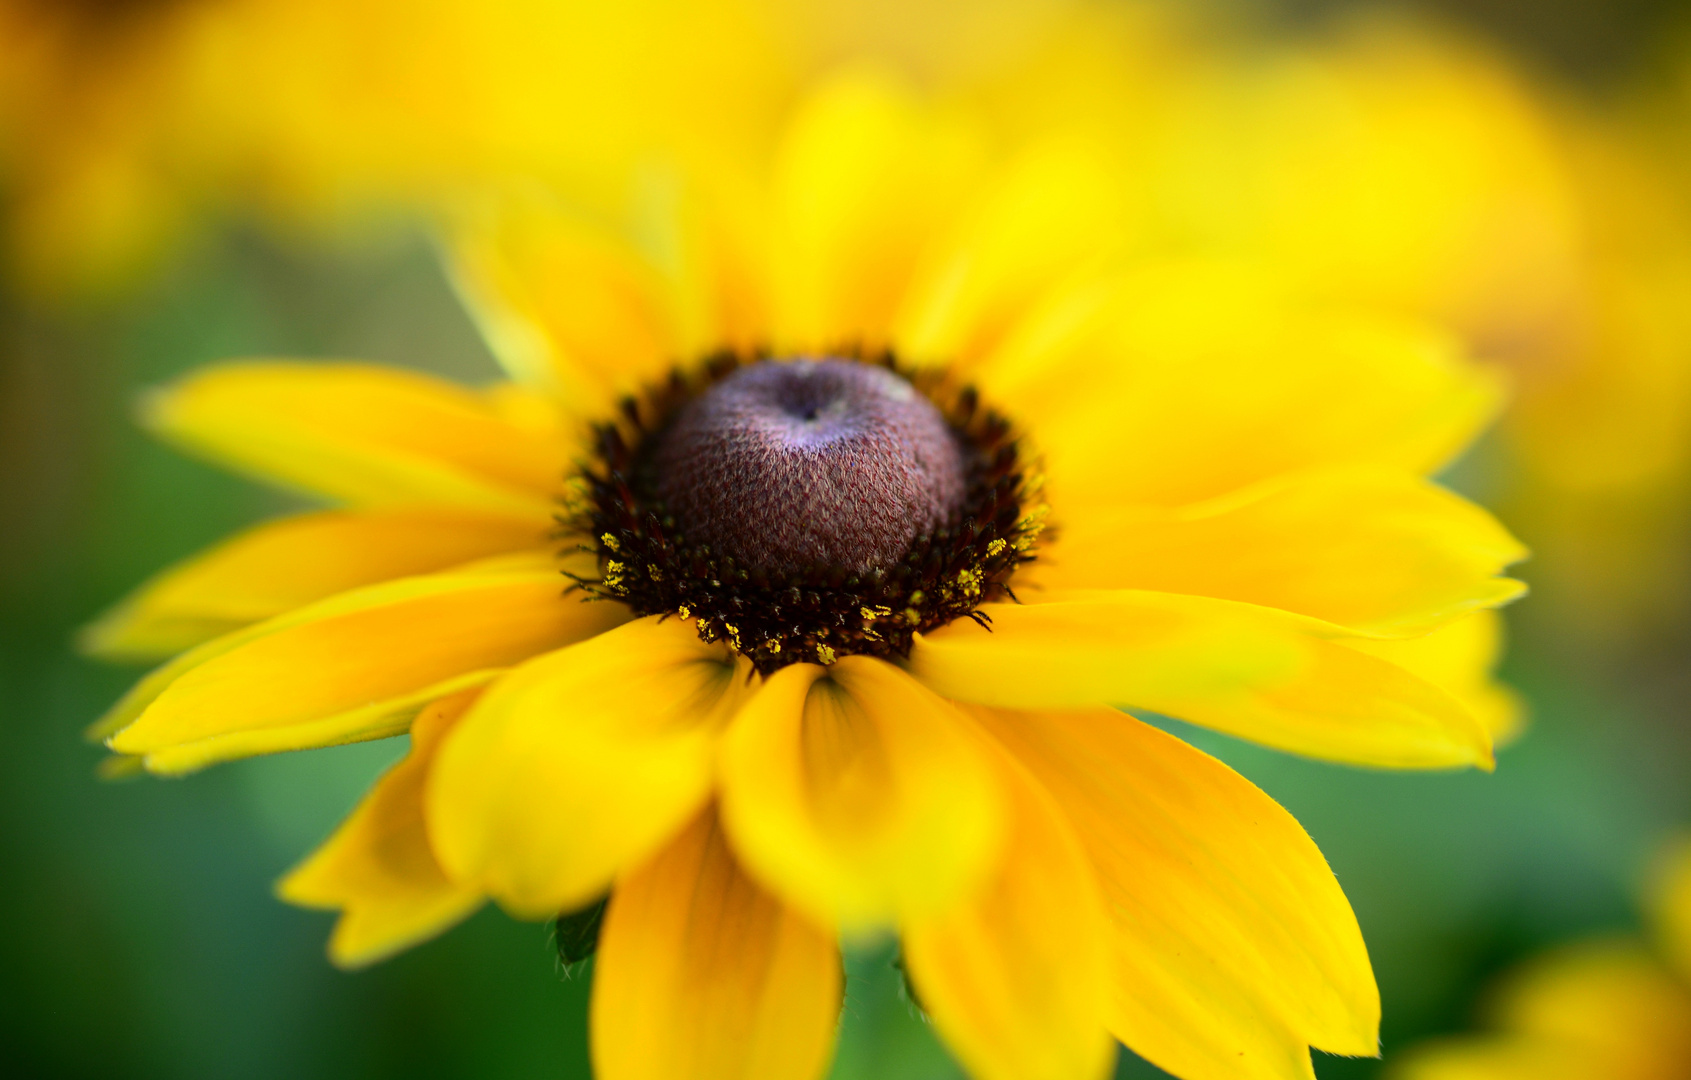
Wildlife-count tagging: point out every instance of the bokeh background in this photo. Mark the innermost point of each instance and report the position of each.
(138, 933)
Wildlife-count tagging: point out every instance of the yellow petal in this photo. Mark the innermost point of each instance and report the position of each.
(1381, 552)
(701, 975)
(155, 682)
(1049, 217)
(1016, 978)
(285, 564)
(568, 305)
(378, 869)
(858, 795)
(1459, 658)
(1234, 948)
(1349, 707)
(582, 762)
(863, 183)
(1187, 383)
(357, 666)
(1244, 670)
(1108, 647)
(362, 434)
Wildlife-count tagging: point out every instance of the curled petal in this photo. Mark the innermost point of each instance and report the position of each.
(1050, 216)
(858, 795)
(1253, 672)
(864, 182)
(580, 763)
(285, 564)
(1460, 658)
(1187, 382)
(362, 434)
(569, 307)
(378, 869)
(1234, 949)
(1016, 978)
(1384, 553)
(702, 975)
(356, 666)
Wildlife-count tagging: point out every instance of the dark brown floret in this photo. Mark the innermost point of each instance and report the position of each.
(772, 603)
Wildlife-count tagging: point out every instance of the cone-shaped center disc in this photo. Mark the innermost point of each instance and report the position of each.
(788, 466)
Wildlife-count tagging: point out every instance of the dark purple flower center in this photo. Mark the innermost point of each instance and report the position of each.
(808, 509)
(784, 466)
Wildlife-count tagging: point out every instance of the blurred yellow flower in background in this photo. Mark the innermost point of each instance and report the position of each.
(893, 464)
(1397, 164)
(122, 125)
(1612, 1008)
(1388, 162)
(127, 126)
(1603, 426)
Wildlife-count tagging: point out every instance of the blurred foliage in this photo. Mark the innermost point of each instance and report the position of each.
(138, 935)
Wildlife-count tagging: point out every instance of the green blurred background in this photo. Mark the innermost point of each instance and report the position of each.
(138, 934)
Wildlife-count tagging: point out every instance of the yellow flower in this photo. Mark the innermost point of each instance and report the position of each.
(1603, 428)
(1442, 188)
(1553, 233)
(1609, 1008)
(884, 481)
(121, 124)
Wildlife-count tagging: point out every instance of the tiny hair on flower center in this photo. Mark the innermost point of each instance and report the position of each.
(808, 508)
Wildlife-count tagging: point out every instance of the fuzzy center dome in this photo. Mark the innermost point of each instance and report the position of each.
(810, 464)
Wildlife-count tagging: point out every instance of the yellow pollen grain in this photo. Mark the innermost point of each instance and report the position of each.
(995, 547)
(684, 611)
(773, 645)
(610, 541)
(825, 654)
(969, 581)
(652, 569)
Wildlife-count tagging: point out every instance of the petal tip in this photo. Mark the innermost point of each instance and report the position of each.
(1485, 757)
(119, 767)
(155, 406)
(294, 887)
(119, 741)
(98, 639)
(103, 730)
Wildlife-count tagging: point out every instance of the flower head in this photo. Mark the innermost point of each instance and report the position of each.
(791, 586)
